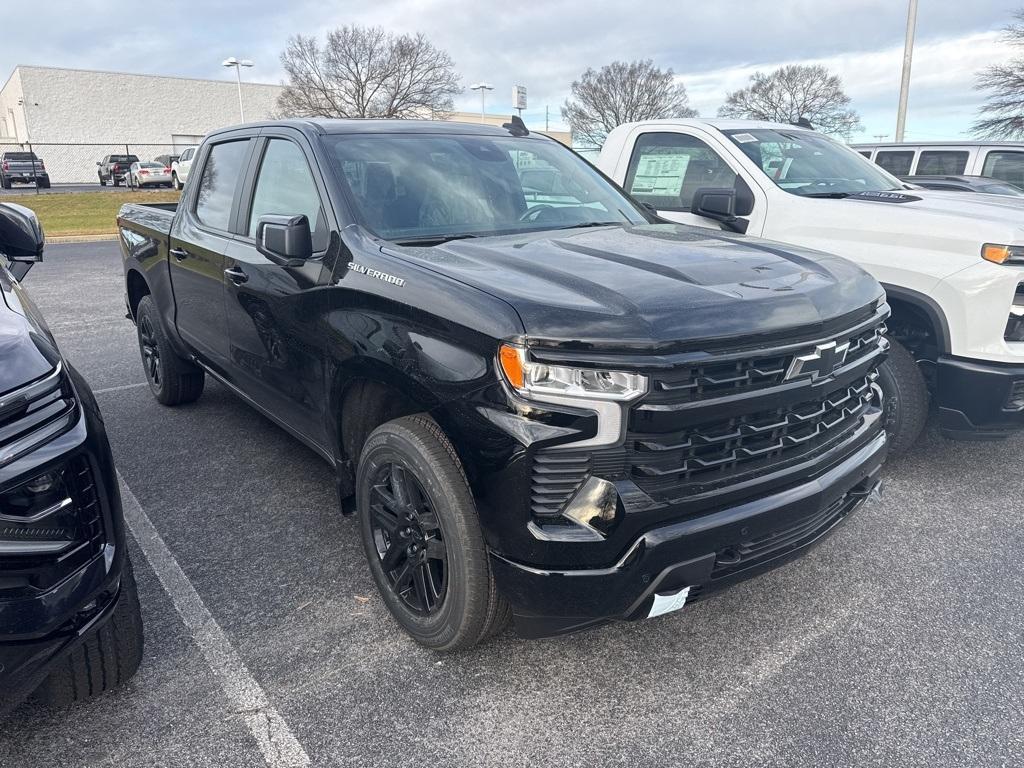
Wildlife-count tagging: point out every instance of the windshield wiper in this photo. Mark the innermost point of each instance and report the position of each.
(434, 239)
(591, 224)
(832, 195)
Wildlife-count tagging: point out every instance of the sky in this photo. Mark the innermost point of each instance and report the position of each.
(712, 47)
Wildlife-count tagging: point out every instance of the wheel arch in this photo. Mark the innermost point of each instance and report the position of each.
(136, 287)
(910, 307)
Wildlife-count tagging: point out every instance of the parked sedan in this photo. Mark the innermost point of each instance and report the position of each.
(148, 174)
(978, 184)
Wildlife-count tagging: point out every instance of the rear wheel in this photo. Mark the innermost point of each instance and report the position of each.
(175, 182)
(103, 182)
(422, 536)
(172, 379)
(44, 184)
(5, 183)
(905, 399)
(105, 659)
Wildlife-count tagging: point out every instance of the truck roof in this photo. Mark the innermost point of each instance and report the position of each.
(722, 124)
(369, 125)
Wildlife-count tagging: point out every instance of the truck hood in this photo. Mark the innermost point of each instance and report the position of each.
(656, 286)
(27, 351)
(952, 224)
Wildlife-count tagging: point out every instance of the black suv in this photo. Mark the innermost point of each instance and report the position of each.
(69, 612)
(114, 169)
(545, 401)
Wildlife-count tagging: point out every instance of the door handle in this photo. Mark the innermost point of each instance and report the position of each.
(235, 275)
(179, 253)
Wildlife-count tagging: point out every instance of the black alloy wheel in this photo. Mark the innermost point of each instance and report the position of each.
(408, 538)
(150, 352)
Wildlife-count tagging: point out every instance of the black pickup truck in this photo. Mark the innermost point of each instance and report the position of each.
(69, 613)
(546, 403)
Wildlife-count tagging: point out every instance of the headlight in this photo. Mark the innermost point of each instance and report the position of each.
(601, 391)
(1003, 254)
(38, 516)
(540, 380)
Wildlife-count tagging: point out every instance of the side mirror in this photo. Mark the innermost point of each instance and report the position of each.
(21, 238)
(98, 163)
(718, 205)
(285, 240)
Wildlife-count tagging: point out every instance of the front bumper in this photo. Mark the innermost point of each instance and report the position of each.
(706, 553)
(41, 625)
(978, 399)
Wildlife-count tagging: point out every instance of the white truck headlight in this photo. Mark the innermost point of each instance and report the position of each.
(602, 391)
(1003, 254)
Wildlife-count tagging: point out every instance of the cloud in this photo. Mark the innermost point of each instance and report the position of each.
(545, 46)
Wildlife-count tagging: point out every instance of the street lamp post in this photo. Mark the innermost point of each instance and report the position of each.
(483, 88)
(238, 64)
(908, 55)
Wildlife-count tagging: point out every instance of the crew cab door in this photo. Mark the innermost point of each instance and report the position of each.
(200, 238)
(276, 355)
(664, 166)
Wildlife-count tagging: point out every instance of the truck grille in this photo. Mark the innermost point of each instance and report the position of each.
(707, 426)
(721, 378)
(706, 455)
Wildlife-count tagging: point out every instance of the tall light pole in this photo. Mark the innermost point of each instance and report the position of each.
(483, 88)
(908, 55)
(238, 64)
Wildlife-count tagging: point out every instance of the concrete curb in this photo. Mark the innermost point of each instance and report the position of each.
(80, 238)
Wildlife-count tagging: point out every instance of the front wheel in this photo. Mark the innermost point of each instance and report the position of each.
(905, 399)
(104, 660)
(175, 182)
(172, 379)
(422, 536)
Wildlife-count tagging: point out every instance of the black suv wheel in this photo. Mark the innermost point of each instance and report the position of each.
(422, 536)
(905, 399)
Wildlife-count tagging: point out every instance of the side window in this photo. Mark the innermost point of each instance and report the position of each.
(941, 163)
(667, 168)
(865, 152)
(221, 175)
(897, 163)
(188, 154)
(1006, 166)
(285, 186)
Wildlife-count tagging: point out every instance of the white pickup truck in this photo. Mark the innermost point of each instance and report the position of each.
(952, 264)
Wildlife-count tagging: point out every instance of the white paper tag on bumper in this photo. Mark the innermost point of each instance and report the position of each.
(668, 603)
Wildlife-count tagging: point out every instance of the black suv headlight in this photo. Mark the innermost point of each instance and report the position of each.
(38, 516)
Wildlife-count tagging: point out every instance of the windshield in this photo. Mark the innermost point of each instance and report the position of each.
(20, 156)
(150, 165)
(419, 188)
(811, 165)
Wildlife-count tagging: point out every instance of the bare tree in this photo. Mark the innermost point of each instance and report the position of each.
(792, 92)
(1002, 116)
(367, 72)
(622, 92)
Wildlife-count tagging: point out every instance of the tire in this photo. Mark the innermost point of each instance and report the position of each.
(172, 379)
(114, 181)
(442, 522)
(905, 403)
(106, 659)
(103, 182)
(45, 184)
(175, 182)
(5, 183)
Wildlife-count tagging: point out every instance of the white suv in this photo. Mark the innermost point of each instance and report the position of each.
(952, 264)
(181, 166)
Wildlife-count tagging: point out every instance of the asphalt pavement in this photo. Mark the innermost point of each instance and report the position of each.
(57, 189)
(896, 642)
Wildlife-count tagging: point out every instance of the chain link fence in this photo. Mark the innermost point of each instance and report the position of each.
(76, 163)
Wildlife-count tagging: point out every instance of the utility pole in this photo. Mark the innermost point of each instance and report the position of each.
(238, 64)
(547, 115)
(908, 55)
(879, 137)
(483, 88)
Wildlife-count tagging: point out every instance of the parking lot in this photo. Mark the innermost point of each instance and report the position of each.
(896, 642)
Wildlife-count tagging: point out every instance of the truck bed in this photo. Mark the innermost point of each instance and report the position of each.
(150, 220)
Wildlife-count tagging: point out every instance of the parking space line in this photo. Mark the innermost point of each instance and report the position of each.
(119, 388)
(275, 739)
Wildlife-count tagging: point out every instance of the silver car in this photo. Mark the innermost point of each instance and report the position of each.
(149, 174)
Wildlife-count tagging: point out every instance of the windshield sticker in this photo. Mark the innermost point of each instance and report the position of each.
(660, 175)
(744, 138)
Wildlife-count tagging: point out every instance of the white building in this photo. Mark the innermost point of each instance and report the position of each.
(73, 117)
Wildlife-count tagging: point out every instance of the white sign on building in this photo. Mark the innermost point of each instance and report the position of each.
(519, 97)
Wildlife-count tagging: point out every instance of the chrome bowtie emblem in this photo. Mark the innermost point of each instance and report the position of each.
(821, 361)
